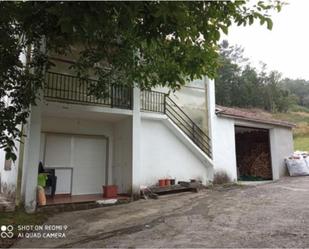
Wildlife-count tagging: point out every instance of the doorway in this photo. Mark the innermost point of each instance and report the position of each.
(253, 154)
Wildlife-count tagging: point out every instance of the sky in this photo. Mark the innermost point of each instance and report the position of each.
(285, 48)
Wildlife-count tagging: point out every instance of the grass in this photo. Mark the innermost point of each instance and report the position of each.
(298, 108)
(301, 143)
(20, 217)
(299, 116)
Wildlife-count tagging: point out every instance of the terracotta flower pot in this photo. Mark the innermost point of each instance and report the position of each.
(167, 182)
(162, 182)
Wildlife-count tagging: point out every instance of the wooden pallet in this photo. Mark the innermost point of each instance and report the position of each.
(173, 189)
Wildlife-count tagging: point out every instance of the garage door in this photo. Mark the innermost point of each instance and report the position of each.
(82, 160)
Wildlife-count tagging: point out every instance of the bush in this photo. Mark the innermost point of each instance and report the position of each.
(299, 108)
(221, 177)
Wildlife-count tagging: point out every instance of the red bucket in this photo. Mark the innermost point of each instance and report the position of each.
(162, 182)
(110, 191)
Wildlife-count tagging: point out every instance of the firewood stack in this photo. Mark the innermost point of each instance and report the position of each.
(253, 154)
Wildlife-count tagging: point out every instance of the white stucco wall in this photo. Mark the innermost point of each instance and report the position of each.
(8, 178)
(163, 154)
(122, 156)
(281, 145)
(222, 132)
(191, 98)
(224, 152)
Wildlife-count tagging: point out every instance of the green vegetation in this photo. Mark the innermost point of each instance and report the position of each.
(20, 217)
(149, 43)
(301, 143)
(300, 116)
(300, 88)
(240, 84)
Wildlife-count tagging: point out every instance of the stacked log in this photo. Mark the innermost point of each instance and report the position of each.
(253, 154)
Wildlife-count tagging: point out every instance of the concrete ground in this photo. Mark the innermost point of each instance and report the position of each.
(270, 215)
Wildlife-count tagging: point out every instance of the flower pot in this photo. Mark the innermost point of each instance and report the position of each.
(173, 181)
(167, 182)
(110, 191)
(162, 182)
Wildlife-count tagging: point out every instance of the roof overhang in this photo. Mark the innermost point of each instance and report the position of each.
(222, 113)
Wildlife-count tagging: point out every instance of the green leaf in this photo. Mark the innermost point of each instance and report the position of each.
(269, 23)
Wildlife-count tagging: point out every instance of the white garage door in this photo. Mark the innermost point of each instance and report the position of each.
(86, 155)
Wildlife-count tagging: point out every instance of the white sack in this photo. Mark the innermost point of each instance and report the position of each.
(297, 165)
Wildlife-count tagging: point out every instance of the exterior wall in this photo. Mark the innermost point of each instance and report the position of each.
(163, 155)
(222, 131)
(191, 98)
(281, 145)
(224, 153)
(65, 119)
(8, 178)
(122, 156)
(31, 157)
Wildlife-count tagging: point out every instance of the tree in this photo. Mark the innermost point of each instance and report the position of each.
(239, 84)
(300, 88)
(146, 43)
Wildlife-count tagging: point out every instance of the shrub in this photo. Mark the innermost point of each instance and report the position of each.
(221, 177)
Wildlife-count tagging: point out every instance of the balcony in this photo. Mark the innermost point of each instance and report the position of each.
(72, 89)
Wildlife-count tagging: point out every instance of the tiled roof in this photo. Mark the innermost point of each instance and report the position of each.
(250, 115)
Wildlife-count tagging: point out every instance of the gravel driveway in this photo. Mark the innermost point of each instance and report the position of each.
(268, 215)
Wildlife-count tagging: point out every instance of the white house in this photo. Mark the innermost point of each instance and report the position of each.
(131, 139)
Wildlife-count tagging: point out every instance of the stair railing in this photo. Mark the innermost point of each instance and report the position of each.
(153, 101)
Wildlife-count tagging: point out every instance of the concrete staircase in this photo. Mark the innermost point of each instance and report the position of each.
(6, 205)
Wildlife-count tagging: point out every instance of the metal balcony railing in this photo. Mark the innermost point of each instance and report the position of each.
(153, 101)
(72, 89)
